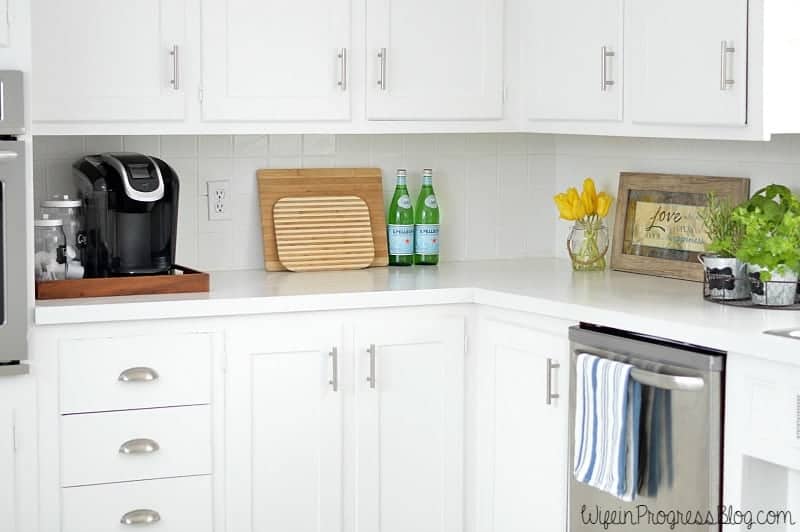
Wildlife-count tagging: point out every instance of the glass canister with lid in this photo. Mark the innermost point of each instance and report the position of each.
(70, 212)
(50, 262)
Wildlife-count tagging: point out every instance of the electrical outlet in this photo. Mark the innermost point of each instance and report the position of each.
(218, 199)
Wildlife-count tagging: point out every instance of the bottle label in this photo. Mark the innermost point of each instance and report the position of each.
(401, 239)
(431, 202)
(404, 202)
(427, 239)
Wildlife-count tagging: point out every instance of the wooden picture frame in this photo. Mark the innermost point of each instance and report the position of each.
(657, 229)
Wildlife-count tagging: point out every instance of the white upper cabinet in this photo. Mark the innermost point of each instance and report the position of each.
(267, 60)
(284, 424)
(108, 60)
(434, 59)
(572, 59)
(689, 61)
(410, 424)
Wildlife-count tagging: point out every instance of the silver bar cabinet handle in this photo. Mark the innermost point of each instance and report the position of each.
(139, 374)
(176, 67)
(140, 517)
(371, 377)
(550, 367)
(605, 55)
(724, 82)
(334, 382)
(139, 446)
(342, 57)
(382, 69)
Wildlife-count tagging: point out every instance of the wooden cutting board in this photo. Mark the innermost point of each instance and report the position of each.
(318, 233)
(365, 183)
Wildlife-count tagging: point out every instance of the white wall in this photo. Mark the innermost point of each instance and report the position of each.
(495, 190)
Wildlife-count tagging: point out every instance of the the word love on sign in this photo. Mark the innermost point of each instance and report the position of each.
(669, 226)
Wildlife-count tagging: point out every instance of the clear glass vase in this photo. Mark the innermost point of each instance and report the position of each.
(587, 245)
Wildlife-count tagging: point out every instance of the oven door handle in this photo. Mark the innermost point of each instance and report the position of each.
(8, 156)
(678, 383)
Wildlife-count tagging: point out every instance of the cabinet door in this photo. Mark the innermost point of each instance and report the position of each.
(572, 59)
(108, 60)
(434, 59)
(276, 59)
(284, 427)
(689, 61)
(8, 500)
(522, 440)
(410, 417)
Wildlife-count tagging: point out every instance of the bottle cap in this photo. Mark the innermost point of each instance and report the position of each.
(427, 172)
(402, 172)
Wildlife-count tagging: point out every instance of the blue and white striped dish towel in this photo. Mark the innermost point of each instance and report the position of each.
(607, 415)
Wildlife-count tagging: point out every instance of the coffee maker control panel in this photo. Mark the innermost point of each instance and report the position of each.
(141, 176)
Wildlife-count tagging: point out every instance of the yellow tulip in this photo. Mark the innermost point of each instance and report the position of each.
(564, 206)
(604, 202)
(589, 196)
(578, 208)
(572, 195)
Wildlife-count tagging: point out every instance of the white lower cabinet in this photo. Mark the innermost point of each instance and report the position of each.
(17, 454)
(284, 426)
(167, 505)
(410, 425)
(521, 428)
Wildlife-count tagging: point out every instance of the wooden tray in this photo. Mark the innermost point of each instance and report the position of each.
(319, 233)
(186, 282)
(366, 183)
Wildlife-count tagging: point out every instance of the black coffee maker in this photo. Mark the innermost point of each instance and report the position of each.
(131, 210)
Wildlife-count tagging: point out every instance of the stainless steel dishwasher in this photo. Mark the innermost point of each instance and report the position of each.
(680, 456)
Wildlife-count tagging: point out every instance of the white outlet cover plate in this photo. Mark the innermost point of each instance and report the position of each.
(219, 200)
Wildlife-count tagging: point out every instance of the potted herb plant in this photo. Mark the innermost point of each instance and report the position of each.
(726, 276)
(771, 244)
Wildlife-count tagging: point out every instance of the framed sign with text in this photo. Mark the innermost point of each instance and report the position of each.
(659, 228)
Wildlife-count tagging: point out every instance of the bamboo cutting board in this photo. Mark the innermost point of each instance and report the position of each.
(365, 183)
(318, 233)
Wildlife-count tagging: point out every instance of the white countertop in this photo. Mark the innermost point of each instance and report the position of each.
(649, 305)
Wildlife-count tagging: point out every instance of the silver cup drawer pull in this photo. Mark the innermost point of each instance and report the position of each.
(139, 374)
(139, 446)
(140, 517)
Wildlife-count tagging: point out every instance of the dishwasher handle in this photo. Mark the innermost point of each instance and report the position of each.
(676, 383)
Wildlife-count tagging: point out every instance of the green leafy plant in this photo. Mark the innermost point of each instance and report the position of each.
(724, 232)
(771, 223)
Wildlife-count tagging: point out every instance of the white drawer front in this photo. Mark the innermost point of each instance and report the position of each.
(161, 442)
(174, 370)
(182, 505)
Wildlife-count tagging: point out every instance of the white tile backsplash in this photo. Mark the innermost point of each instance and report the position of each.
(495, 189)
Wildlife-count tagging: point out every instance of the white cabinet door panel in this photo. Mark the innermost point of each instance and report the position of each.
(275, 59)
(677, 61)
(8, 487)
(567, 74)
(444, 59)
(107, 60)
(522, 448)
(410, 426)
(284, 427)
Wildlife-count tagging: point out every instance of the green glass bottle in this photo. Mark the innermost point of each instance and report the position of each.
(400, 224)
(426, 235)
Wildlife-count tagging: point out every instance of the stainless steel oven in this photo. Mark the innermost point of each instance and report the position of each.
(15, 277)
(680, 458)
